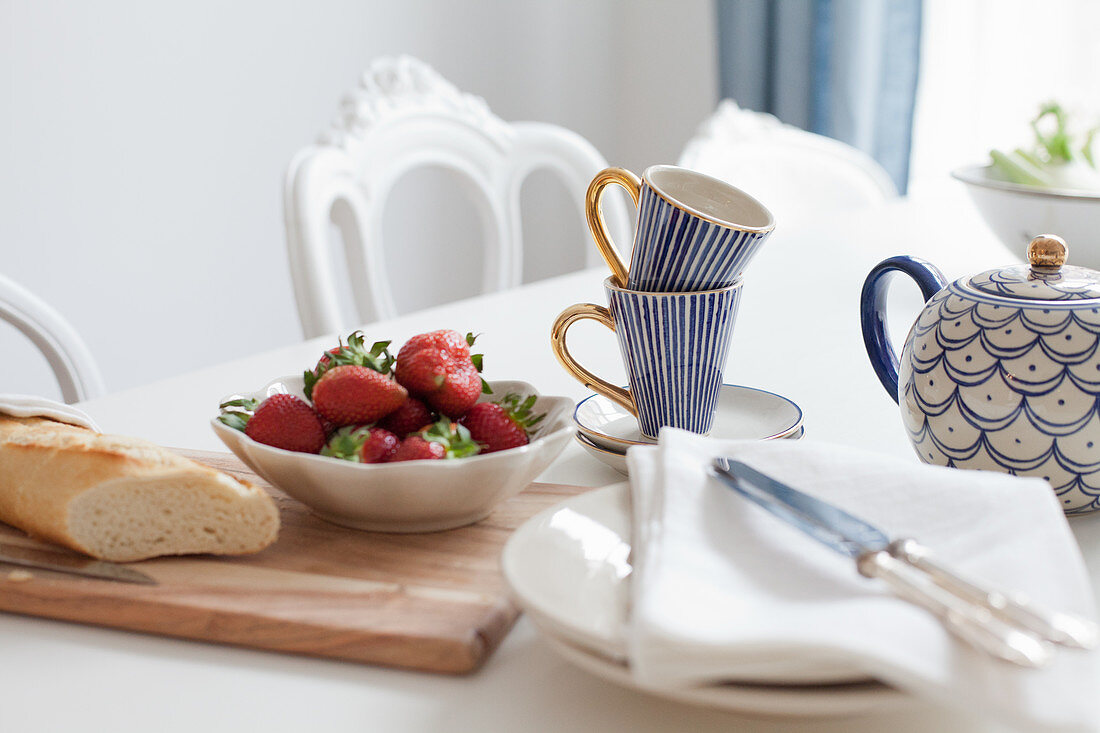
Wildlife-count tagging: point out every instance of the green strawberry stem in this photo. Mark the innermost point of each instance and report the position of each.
(519, 409)
(347, 443)
(378, 358)
(453, 436)
(235, 420)
(478, 360)
(236, 412)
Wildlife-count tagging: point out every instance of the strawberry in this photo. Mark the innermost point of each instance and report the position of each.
(362, 444)
(409, 418)
(445, 340)
(380, 446)
(329, 426)
(504, 424)
(350, 394)
(434, 375)
(415, 448)
(355, 353)
(459, 392)
(442, 439)
(423, 372)
(287, 422)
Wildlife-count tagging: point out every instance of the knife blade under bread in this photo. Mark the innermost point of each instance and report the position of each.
(61, 562)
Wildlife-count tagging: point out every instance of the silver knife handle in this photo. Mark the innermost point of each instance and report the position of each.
(973, 624)
(1061, 628)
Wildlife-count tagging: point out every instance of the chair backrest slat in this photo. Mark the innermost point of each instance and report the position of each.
(404, 116)
(72, 363)
(796, 174)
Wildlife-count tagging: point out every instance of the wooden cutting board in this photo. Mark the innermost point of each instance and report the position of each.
(434, 602)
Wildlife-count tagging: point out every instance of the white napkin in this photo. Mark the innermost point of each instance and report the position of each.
(21, 405)
(721, 588)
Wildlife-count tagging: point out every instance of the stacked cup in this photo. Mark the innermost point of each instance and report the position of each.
(673, 310)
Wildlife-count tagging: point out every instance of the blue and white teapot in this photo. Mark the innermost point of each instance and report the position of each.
(1001, 371)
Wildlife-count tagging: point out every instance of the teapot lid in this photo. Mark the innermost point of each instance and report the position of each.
(1045, 278)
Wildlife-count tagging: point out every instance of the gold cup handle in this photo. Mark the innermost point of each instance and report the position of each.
(633, 186)
(567, 318)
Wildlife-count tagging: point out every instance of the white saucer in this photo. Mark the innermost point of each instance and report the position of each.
(853, 698)
(611, 458)
(616, 459)
(743, 413)
(568, 568)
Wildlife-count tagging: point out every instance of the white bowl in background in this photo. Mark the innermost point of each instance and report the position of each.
(1016, 213)
(407, 496)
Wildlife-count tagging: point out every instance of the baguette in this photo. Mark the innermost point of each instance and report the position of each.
(124, 499)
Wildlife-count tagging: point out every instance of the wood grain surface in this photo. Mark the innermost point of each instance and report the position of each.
(433, 602)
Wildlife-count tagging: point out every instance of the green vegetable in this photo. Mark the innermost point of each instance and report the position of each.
(1057, 159)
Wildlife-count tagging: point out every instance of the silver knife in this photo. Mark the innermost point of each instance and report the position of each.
(61, 562)
(1004, 625)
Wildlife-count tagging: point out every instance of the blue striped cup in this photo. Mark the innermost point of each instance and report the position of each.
(674, 346)
(693, 232)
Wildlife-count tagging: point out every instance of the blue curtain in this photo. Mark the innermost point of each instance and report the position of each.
(842, 68)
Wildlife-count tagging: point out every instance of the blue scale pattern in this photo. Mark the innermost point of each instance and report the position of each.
(989, 385)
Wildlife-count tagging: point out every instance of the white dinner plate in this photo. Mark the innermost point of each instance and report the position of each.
(617, 459)
(743, 413)
(852, 698)
(569, 567)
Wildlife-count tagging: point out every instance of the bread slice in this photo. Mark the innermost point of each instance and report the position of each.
(123, 499)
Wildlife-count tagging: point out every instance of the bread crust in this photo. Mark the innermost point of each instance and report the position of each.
(45, 466)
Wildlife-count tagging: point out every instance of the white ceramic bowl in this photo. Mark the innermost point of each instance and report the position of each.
(1016, 213)
(408, 496)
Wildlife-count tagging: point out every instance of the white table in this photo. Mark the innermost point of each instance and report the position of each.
(798, 334)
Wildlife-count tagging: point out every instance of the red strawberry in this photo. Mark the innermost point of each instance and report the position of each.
(443, 439)
(355, 353)
(380, 446)
(502, 425)
(329, 426)
(458, 393)
(286, 422)
(362, 444)
(409, 418)
(424, 371)
(415, 448)
(449, 385)
(350, 395)
(446, 340)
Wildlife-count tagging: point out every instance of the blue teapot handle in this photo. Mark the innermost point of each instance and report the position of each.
(872, 311)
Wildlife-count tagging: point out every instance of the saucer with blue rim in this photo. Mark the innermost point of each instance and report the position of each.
(616, 460)
(611, 458)
(744, 413)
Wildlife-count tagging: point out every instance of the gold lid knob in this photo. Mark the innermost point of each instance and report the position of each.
(1047, 251)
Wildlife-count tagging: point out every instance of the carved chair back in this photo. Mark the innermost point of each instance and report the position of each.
(68, 356)
(794, 173)
(403, 116)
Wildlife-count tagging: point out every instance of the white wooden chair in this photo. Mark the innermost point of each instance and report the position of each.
(68, 356)
(794, 173)
(403, 116)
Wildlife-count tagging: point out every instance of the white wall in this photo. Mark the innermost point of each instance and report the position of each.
(142, 145)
